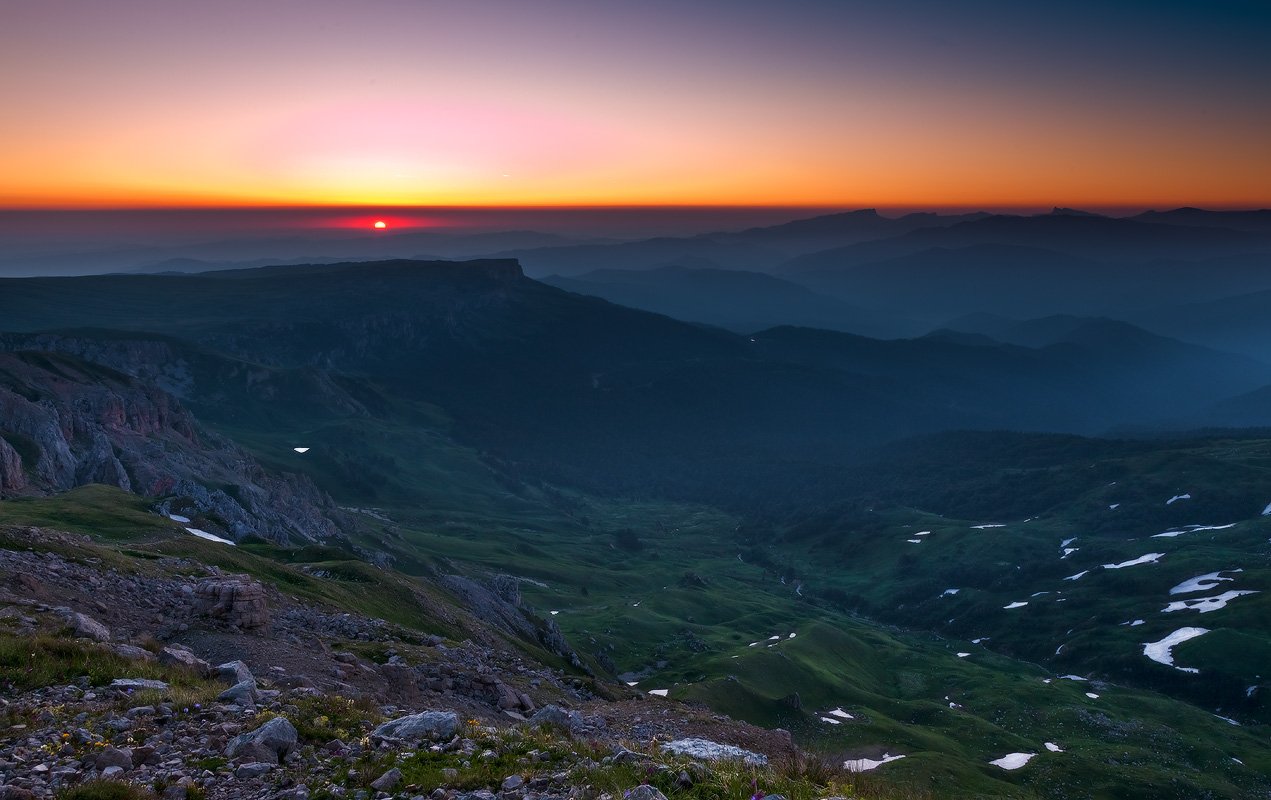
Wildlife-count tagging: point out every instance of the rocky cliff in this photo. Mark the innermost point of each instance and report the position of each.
(65, 422)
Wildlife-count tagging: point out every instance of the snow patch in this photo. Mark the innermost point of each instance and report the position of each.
(659, 692)
(1160, 651)
(1202, 583)
(839, 712)
(1092, 695)
(211, 537)
(1150, 558)
(949, 592)
(1133, 623)
(1114, 506)
(914, 541)
(832, 720)
(179, 518)
(301, 449)
(1016, 604)
(1176, 498)
(1205, 604)
(867, 764)
(1013, 760)
(963, 655)
(1054, 748)
(1078, 576)
(987, 526)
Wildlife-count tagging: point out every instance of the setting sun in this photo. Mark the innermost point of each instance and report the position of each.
(380, 225)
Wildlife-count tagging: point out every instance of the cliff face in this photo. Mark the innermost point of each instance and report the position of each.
(66, 423)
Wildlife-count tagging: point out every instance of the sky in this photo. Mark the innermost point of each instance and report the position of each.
(896, 104)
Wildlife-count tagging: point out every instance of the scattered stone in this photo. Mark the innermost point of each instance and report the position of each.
(252, 769)
(243, 693)
(234, 672)
(643, 792)
(388, 781)
(138, 684)
(270, 743)
(513, 782)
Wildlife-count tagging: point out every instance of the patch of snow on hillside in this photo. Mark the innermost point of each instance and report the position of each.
(1054, 748)
(1206, 604)
(1203, 583)
(659, 692)
(1016, 604)
(1078, 576)
(179, 518)
(867, 764)
(1150, 558)
(1176, 498)
(1013, 760)
(987, 526)
(948, 592)
(211, 537)
(1160, 651)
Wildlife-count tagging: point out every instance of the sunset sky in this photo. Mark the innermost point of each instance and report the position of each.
(542, 102)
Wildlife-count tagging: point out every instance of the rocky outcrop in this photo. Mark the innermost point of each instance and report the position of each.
(83, 423)
(239, 603)
(12, 475)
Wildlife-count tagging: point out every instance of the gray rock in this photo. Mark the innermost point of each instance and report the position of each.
(513, 782)
(251, 770)
(643, 792)
(234, 672)
(132, 652)
(270, 743)
(112, 771)
(86, 627)
(242, 693)
(178, 656)
(432, 725)
(706, 750)
(388, 781)
(114, 757)
(553, 716)
(138, 684)
(622, 755)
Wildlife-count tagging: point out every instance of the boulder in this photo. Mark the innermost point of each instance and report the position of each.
(179, 656)
(553, 716)
(388, 781)
(114, 757)
(433, 725)
(86, 627)
(242, 693)
(706, 750)
(643, 792)
(138, 684)
(268, 744)
(241, 603)
(233, 672)
(252, 769)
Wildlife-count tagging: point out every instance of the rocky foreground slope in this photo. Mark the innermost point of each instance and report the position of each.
(180, 680)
